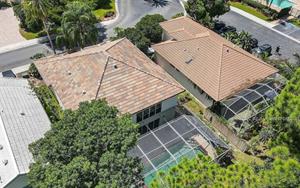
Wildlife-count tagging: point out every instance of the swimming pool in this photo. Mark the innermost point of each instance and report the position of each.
(282, 3)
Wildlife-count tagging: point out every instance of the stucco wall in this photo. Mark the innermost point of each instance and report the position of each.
(184, 81)
(167, 112)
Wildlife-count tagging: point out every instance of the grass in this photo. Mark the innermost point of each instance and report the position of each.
(295, 21)
(249, 10)
(100, 13)
(191, 103)
(245, 158)
(28, 35)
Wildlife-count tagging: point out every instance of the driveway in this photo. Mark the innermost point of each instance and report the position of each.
(131, 11)
(9, 28)
(262, 33)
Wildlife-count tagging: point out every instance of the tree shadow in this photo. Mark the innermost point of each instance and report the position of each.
(158, 3)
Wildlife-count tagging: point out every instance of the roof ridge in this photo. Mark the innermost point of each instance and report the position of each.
(116, 42)
(174, 19)
(54, 58)
(177, 41)
(101, 79)
(248, 55)
(146, 72)
(220, 71)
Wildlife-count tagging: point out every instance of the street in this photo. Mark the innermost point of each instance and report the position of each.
(262, 34)
(19, 57)
(131, 11)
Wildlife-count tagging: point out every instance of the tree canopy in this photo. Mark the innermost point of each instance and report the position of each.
(135, 36)
(282, 119)
(87, 148)
(149, 26)
(78, 26)
(280, 171)
(203, 11)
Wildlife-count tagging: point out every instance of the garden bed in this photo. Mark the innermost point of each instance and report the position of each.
(106, 11)
(251, 10)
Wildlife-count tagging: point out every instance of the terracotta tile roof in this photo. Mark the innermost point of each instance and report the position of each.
(216, 65)
(116, 71)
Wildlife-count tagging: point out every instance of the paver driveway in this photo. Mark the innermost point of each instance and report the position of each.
(9, 28)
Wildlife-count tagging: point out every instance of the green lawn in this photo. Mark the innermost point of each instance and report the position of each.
(245, 158)
(295, 21)
(249, 10)
(28, 35)
(100, 13)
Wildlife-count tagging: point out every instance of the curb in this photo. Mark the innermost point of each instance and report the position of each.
(108, 22)
(23, 44)
(261, 22)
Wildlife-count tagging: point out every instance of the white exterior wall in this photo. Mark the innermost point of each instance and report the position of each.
(184, 81)
(167, 112)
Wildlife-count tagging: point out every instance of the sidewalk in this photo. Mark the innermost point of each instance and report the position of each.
(9, 28)
(263, 23)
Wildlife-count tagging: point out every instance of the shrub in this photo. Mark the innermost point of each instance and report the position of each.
(4, 4)
(49, 102)
(178, 15)
(109, 14)
(273, 14)
(33, 72)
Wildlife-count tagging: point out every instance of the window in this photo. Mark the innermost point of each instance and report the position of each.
(152, 111)
(151, 125)
(158, 108)
(146, 113)
(139, 117)
(156, 123)
(143, 130)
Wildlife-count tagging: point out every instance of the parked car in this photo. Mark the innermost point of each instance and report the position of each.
(8, 74)
(263, 49)
(254, 43)
(227, 29)
(218, 26)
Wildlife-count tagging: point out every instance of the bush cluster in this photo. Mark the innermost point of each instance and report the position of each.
(267, 11)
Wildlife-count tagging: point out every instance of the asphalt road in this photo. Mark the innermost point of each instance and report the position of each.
(263, 34)
(19, 57)
(131, 11)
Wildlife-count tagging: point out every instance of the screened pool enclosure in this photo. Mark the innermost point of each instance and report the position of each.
(166, 145)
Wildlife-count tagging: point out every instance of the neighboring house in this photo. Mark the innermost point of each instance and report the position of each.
(118, 72)
(206, 64)
(22, 121)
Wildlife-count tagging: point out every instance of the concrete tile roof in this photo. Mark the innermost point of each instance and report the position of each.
(217, 66)
(116, 71)
(22, 121)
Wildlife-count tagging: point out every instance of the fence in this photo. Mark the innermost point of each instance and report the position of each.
(226, 131)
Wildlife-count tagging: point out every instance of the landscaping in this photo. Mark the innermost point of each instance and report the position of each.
(250, 10)
(295, 21)
(28, 35)
(105, 11)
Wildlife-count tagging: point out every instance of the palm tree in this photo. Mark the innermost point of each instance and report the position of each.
(244, 41)
(78, 26)
(38, 9)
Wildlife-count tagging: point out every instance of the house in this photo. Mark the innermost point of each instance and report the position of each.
(22, 121)
(118, 72)
(204, 63)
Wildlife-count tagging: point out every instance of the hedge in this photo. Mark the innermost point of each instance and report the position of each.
(49, 102)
